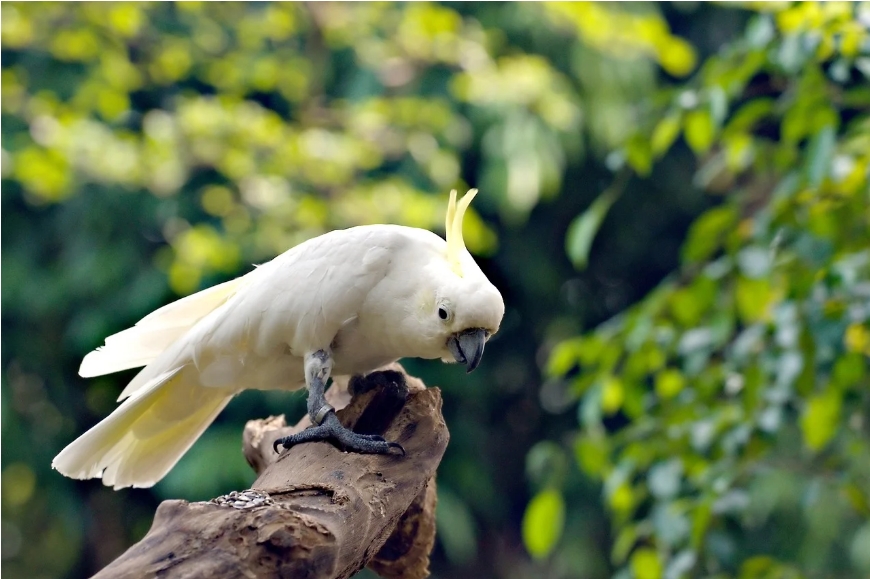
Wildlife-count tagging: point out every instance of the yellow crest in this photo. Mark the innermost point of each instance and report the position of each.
(453, 228)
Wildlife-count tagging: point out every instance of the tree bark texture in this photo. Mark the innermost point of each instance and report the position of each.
(314, 511)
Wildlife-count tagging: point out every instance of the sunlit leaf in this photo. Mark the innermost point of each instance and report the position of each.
(820, 419)
(699, 130)
(754, 298)
(706, 233)
(669, 383)
(592, 454)
(543, 522)
(612, 395)
(664, 135)
(638, 153)
(645, 564)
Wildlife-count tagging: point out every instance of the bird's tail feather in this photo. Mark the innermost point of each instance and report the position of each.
(146, 435)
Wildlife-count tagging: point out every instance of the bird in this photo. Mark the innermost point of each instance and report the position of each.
(341, 304)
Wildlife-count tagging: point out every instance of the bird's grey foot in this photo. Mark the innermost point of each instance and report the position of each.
(318, 366)
(332, 431)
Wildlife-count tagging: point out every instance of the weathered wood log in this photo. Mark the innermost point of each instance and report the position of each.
(314, 511)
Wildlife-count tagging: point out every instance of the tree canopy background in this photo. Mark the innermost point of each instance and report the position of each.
(674, 203)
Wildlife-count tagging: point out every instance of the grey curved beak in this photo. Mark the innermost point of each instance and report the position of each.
(467, 347)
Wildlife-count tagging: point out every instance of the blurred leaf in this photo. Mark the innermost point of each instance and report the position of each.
(664, 134)
(820, 419)
(581, 232)
(639, 155)
(754, 298)
(706, 233)
(546, 464)
(819, 154)
(645, 564)
(699, 130)
(612, 395)
(592, 454)
(669, 383)
(860, 548)
(543, 522)
(456, 527)
(665, 477)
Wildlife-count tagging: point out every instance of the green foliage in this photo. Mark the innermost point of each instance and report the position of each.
(751, 363)
(150, 149)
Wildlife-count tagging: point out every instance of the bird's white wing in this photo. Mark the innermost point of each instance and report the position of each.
(244, 334)
(139, 345)
(292, 305)
(297, 303)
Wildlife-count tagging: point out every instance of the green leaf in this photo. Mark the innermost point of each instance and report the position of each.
(821, 419)
(645, 564)
(456, 528)
(860, 548)
(699, 130)
(701, 522)
(754, 297)
(638, 153)
(612, 395)
(664, 134)
(718, 105)
(750, 114)
(623, 544)
(819, 154)
(543, 523)
(705, 234)
(582, 230)
(592, 454)
(546, 464)
(564, 357)
(669, 383)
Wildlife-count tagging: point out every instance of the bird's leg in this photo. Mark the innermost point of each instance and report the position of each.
(327, 427)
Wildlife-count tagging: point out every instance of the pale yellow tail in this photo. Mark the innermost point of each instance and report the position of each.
(147, 434)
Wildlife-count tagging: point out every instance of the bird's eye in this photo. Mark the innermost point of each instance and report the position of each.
(443, 314)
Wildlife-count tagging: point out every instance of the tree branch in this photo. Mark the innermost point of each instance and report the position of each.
(314, 511)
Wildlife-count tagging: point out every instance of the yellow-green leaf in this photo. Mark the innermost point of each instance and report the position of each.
(612, 395)
(706, 233)
(639, 155)
(592, 455)
(821, 419)
(754, 297)
(543, 522)
(677, 56)
(664, 135)
(699, 130)
(669, 383)
(645, 564)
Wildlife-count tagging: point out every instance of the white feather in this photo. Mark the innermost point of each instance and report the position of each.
(145, 436)
(367, 294)
(139, 345)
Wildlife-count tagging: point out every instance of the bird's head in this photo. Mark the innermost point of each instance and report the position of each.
(460, 308)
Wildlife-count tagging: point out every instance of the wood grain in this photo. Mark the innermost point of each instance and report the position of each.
(314, 511)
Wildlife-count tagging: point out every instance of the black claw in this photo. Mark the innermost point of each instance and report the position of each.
(335, 433)
(396, 445)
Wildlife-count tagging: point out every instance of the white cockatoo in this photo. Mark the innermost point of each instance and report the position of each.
(344, 303)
